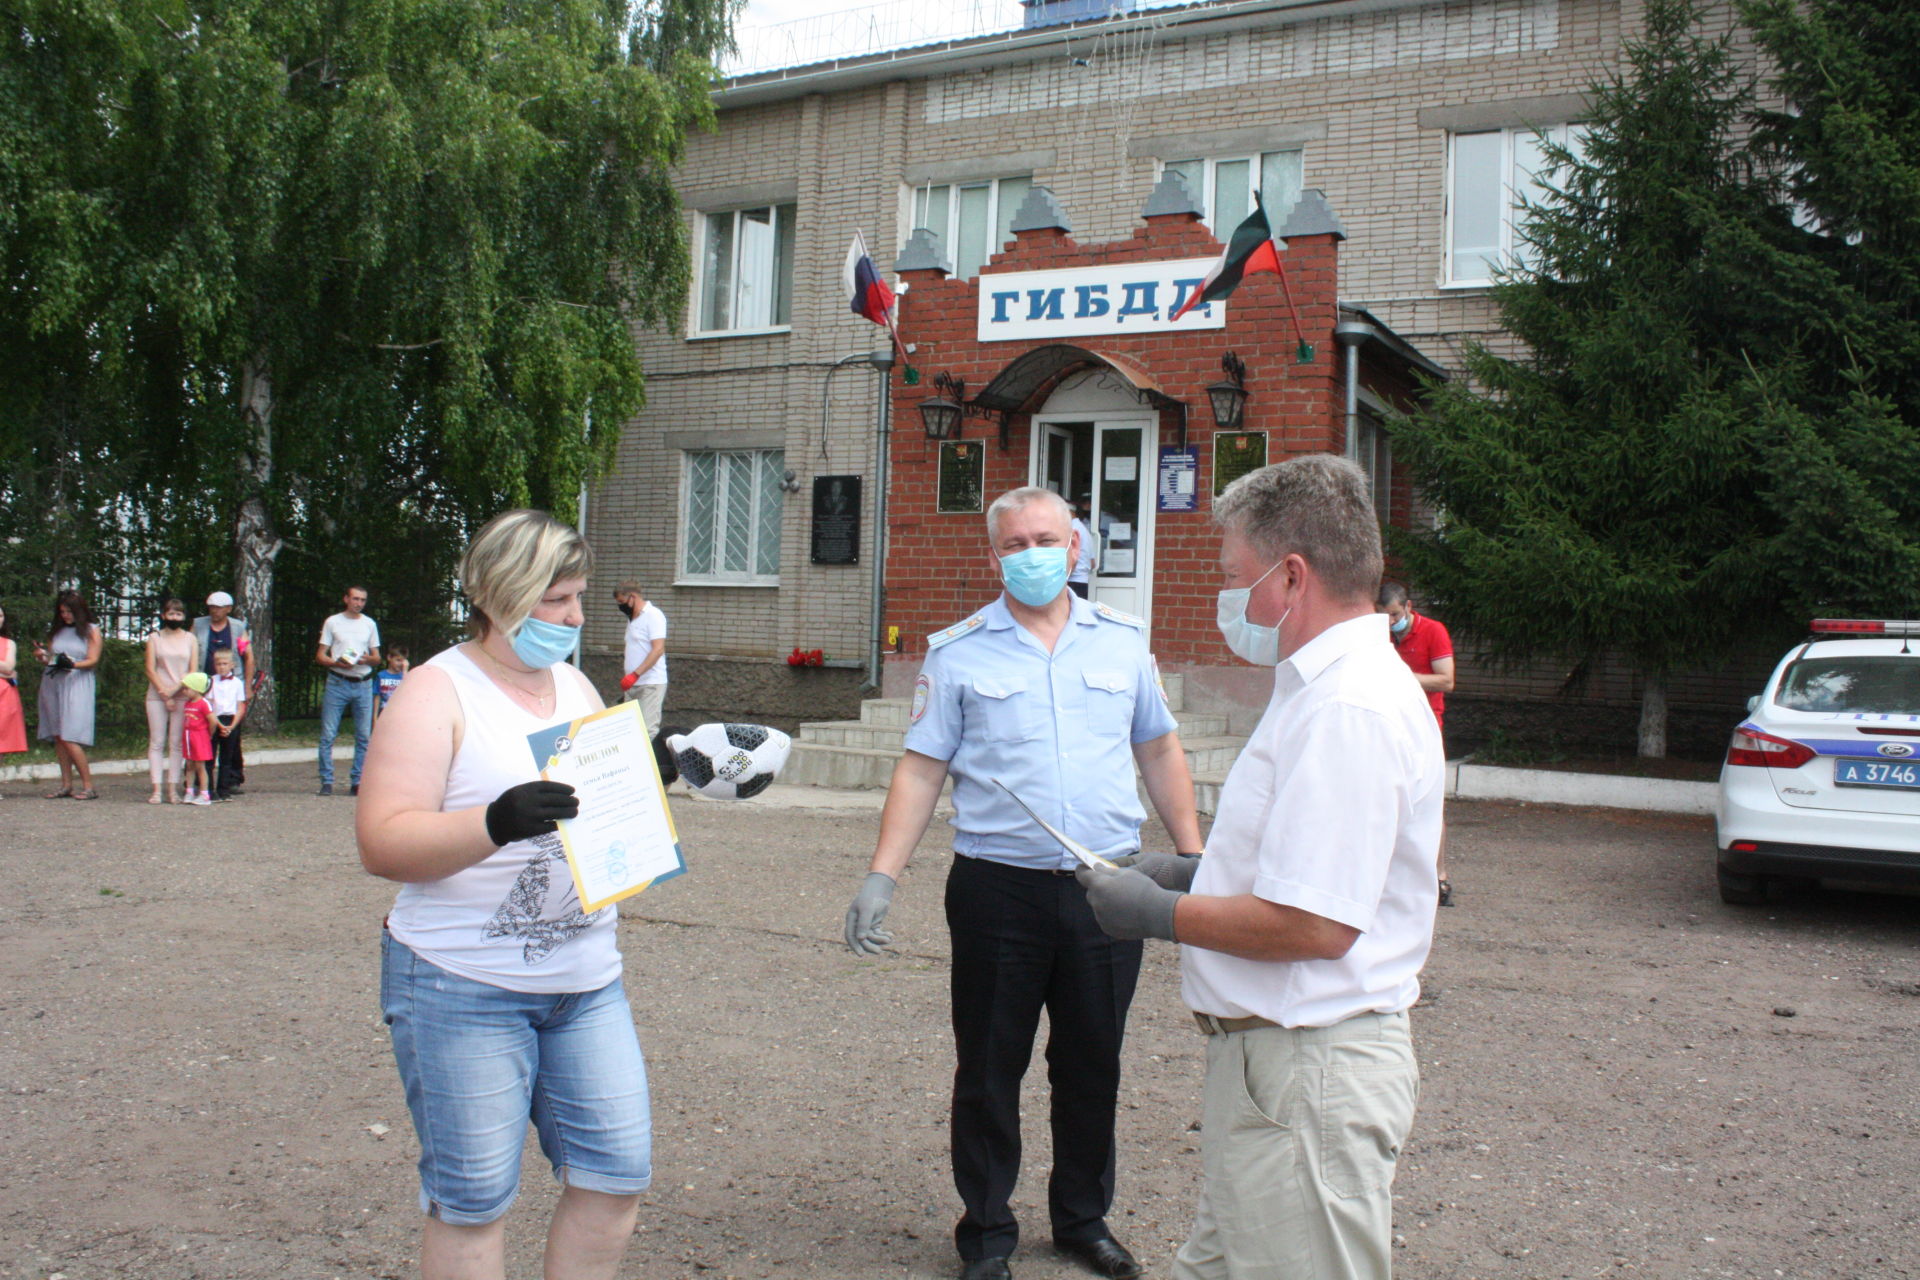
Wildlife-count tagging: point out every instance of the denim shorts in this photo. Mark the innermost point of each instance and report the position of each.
(479, 1062)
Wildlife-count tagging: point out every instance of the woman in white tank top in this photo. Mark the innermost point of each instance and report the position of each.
(499, 990)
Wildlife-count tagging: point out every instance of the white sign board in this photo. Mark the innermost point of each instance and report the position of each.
(1127, 297)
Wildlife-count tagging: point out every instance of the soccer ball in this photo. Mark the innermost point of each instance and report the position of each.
(730, 761)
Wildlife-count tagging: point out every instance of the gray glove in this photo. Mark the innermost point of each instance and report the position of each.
(1173, 871)
(865, 937)
(1127, 904)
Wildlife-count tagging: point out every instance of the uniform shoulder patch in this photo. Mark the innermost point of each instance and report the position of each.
(1112, 614)
(957, 630)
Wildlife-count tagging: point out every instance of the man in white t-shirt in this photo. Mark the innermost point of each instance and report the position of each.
(644, 666)
(349, 652)
(1304, 926)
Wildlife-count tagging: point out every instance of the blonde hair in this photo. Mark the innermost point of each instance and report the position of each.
(515, 557)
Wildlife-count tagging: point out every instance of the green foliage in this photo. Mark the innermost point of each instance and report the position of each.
(414, 234)
(1600, 491)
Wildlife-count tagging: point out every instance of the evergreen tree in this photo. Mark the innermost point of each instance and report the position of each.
(1599, 493)
(1840, 421)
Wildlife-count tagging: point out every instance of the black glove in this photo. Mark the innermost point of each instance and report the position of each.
(528, 810)
(63, 661)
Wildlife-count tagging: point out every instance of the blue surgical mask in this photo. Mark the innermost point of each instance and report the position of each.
(541, 644)
(1400, 628)
(1250, 641)
(1035, 577)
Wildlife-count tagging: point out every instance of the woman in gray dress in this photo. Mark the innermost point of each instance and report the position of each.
(71, 653)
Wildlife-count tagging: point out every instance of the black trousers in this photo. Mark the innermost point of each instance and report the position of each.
(1024, 941)
(226, 759)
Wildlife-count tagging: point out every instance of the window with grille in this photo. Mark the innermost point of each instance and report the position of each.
(731, 504)
(746, 270)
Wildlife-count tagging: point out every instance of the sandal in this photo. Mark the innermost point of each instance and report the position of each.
(87, 793)
(62, 794)
(155, 797)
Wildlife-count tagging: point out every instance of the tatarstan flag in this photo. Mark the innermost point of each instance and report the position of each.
(1249, 252)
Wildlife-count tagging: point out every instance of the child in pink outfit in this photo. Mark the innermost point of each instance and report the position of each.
(199, 737)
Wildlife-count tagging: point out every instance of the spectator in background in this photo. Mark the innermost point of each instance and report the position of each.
(228, 697)
(13, 717)
(645, 659)
(388, 680)
(71, 654)
(221, 630)
(172, 652)
(1081, 575)
(1424, 645)
(349, 651)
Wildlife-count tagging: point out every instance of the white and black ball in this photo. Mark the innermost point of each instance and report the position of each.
(730, 761)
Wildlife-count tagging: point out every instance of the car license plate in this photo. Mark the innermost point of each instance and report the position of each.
(1876, 773)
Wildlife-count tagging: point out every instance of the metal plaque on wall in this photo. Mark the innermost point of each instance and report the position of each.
(962, 477)
(836, 519)
(1235, 453)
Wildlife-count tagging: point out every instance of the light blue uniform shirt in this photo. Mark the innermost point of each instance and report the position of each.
(1056, 727)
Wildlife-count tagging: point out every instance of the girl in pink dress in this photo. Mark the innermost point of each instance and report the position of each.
(198, 737)
(13, 722)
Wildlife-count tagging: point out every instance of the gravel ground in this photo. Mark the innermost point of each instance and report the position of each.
(1622, 1076)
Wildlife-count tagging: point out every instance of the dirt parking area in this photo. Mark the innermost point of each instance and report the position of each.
(1621, 1076)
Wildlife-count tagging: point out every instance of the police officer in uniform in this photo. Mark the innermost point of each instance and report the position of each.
(1059, 699)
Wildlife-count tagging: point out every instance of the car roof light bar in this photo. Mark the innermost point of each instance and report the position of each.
(1864, 627)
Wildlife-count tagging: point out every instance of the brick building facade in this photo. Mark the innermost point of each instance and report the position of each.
(1413, 118)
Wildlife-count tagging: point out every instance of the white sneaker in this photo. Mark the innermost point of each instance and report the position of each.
(199, 797)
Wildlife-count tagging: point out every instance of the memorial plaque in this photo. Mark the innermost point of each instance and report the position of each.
(836, 519)
(962, 477)
(1235, 453)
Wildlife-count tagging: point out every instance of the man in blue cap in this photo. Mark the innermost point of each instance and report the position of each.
(1059, 699)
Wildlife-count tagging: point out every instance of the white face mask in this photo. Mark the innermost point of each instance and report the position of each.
(1250, 641)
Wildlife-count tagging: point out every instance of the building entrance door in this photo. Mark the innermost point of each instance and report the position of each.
(1102, 459)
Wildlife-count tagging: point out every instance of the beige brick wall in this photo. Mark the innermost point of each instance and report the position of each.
(1354, 87)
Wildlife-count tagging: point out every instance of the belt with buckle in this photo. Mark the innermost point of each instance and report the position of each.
(1213, 1026)
(350, 679)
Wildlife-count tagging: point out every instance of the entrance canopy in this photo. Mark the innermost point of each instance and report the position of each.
(1016, 387)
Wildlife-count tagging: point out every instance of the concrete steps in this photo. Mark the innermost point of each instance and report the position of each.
(860, 754)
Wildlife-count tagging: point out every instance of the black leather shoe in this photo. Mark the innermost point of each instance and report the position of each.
(1103, 1256)
(354, 790)
(986, 1269)
(326, 789)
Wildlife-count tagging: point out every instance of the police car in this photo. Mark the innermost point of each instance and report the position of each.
(1822, 780)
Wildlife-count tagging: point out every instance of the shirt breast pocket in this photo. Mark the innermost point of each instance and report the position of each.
(1005, 709)
(1109, 703)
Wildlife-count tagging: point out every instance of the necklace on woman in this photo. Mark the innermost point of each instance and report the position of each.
(505, 680)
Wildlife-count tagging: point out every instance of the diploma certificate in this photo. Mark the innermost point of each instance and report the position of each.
(624, 838)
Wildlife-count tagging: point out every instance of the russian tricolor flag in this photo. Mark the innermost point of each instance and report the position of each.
(867, 293)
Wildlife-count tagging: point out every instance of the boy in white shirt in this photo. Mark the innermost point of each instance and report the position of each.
(228, 697)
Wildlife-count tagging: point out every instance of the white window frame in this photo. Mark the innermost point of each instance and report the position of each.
(950, 242)
(696, 322)
(1510, 238)
(1209, 182)
(721, 577)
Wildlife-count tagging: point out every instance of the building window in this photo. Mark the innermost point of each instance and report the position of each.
(1225, 187)
(746, 270)
(1490, 178)
(730, 516)
(971, 218)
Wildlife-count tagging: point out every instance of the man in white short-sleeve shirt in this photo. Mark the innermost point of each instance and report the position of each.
(1304, 926)
(348, 652)
(644, 662)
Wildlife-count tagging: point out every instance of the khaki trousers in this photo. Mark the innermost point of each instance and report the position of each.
(1300, 1133)
(651, 698)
